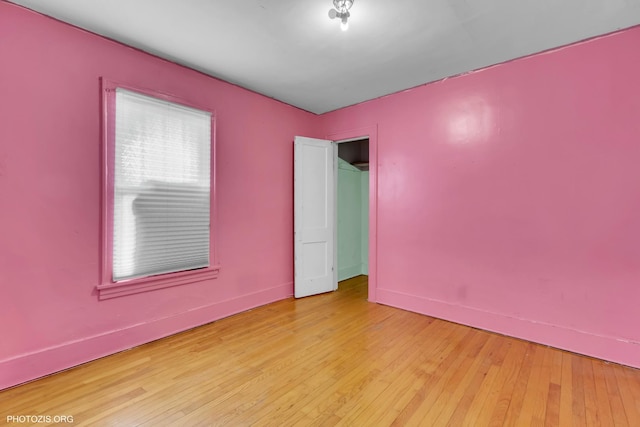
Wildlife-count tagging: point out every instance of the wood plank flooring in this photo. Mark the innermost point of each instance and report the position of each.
(336, 359)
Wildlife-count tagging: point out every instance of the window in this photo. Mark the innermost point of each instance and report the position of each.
(158, 192)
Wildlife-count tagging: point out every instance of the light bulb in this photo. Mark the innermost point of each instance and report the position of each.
(344, 25)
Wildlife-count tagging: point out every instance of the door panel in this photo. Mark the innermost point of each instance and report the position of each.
(314, 216)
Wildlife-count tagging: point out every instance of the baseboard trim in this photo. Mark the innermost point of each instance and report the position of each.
(612, 349)
(30, 366)
(364, 268)
(349, 272)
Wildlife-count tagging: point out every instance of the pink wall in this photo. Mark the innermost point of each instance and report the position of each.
(509, 198)
(50, 317)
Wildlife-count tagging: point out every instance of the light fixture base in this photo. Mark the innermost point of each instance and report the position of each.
(341, 11)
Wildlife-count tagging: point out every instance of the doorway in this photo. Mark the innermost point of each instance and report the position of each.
(352, 208)
(369, 132)
(315, 213)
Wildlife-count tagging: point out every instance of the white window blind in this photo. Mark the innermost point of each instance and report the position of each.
(161, 187)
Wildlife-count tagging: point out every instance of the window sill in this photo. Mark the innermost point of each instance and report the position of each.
(135, 286)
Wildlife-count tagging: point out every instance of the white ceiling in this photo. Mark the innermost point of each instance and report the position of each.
(290, 49)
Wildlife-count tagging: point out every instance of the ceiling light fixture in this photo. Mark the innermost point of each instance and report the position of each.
(341, 11)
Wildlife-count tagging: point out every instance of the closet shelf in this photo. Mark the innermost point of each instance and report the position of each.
(363, 166)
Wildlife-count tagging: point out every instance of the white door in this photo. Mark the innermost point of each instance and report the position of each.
(314, 189)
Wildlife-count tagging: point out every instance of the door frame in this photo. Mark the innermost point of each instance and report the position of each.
(370, 132)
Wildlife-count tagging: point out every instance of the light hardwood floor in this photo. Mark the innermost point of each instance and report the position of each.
(336, 359)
